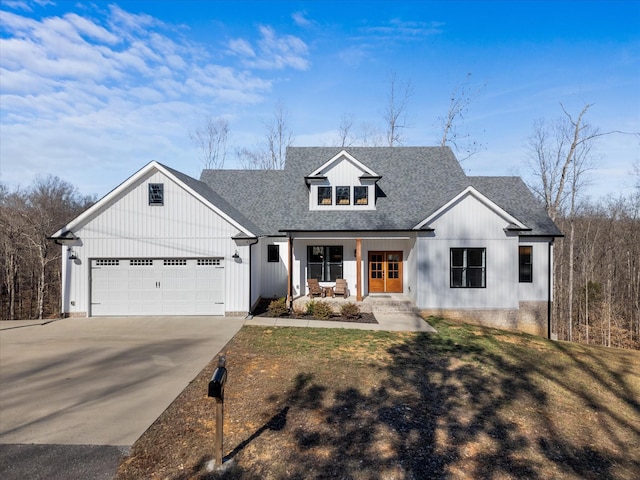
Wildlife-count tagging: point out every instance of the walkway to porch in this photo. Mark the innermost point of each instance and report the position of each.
(394, 312)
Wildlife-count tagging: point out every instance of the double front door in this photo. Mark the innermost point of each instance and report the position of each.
(385, 272)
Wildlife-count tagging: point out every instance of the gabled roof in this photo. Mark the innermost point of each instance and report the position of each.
(197, 188)
(414, 183)
(366, 172)
(513, 195)
(514, 223)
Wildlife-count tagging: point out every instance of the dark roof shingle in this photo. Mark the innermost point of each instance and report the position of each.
(415, 182)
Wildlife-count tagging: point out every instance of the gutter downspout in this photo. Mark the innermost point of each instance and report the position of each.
(250, 282)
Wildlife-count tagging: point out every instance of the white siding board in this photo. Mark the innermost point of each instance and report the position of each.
(538, 290)
(274, 274)
(469, 219)
(467, 224)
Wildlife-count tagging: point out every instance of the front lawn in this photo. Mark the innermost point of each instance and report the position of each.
(469, 402)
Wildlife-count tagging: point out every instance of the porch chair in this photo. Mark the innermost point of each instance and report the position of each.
(314, 287)
(341, 287)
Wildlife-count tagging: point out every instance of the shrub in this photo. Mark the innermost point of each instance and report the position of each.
(299, 311)
(278, 307)
(311, 306)
(350, 310)
(321, 310)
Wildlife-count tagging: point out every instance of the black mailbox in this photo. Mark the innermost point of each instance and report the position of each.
(216, 385)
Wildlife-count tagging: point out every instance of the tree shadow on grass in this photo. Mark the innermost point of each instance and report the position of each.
(451, 409)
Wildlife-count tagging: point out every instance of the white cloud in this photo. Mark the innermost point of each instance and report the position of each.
(80, 92)
(274, 52)
(300, 19)
(402, 30)
(242, 48)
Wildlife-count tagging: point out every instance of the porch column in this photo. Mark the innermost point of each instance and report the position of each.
(359, 269)
(289, 270)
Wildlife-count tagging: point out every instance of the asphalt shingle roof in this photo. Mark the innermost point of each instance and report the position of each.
(214, 198)
(415, 182)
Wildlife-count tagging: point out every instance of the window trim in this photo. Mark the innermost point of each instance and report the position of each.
(322, 198)
(356, 197)
(464, 268)
(340, 199)
(521, 264)
(326, 262)
(273, 253)
(156, 194)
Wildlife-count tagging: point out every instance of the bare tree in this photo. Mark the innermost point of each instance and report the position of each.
(345, 135)
(11, 228)
(278, 138)
(462, 95)
(370, 135)
(561, 154)
(560, 151)
(211, 142)
(554, 146)
(395, 114)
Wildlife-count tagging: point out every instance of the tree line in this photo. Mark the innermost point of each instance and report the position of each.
(597, 262)
(30, 264)
(597, 278)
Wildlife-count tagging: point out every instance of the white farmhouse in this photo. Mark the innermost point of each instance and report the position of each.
(387, 219)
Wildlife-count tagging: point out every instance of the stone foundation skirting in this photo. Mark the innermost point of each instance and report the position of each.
(236, 314)
(531, 317)
(75, 315)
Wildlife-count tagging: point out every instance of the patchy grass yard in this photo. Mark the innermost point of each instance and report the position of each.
(469, 402)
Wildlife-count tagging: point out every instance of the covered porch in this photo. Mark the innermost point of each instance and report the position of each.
(372, 263)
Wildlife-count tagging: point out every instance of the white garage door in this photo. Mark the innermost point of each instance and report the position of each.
(169, 286)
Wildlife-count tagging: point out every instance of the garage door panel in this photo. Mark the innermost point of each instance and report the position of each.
(157, 287)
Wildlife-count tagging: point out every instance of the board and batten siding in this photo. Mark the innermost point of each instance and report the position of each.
(183, 227)
(273, 275)
(469, 223)
(538, 289)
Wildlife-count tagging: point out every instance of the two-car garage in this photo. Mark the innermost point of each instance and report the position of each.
(157, 286)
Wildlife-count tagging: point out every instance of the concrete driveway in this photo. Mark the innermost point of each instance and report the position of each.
(96, 381)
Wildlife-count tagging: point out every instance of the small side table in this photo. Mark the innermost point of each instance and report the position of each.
(328, 291)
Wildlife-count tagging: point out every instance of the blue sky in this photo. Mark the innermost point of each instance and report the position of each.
(92, 92)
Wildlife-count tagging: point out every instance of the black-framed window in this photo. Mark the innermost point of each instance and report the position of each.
(324, 195)
(343, 195)
(525, 264)
(324, 263)
(468, 267)
(156, 194)
(361, 195)
(273, 253)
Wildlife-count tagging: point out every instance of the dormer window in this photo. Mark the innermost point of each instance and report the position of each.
(343, 195)
(361, 195)
(324, 195)
(342, 183)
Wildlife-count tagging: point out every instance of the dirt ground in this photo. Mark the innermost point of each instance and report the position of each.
(345, 404)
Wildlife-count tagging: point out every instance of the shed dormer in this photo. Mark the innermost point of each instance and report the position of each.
(342, 183)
